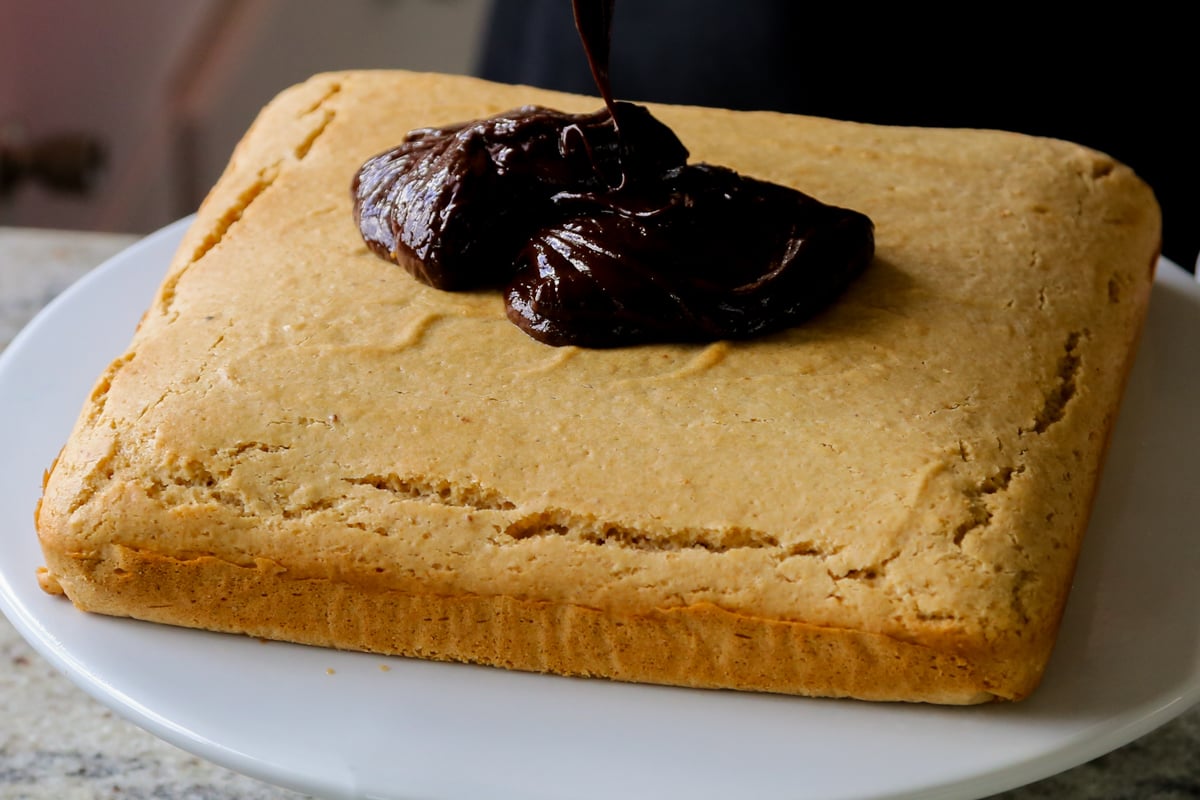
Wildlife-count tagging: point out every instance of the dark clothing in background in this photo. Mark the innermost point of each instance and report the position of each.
(1113, 84)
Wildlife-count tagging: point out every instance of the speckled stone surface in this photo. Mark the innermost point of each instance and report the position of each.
(56, 742)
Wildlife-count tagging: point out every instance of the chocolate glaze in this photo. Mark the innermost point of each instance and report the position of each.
(705, 254)
(456, 205)
(596, 228)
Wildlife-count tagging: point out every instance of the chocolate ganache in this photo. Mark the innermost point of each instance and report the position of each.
(597, 229)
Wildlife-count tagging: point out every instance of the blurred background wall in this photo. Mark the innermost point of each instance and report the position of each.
(167, 87)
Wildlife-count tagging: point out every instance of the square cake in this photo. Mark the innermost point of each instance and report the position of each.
(886, 502)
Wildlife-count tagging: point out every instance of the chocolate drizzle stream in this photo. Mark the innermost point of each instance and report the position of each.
(593, 20)
(597, 229)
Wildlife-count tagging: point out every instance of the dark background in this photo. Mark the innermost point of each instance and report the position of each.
(1125, 85)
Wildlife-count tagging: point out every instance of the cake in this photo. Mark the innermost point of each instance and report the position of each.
(886, 502)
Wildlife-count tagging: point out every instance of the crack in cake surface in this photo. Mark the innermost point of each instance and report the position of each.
(335, 88)
(307, 143)
(99, 395)
(979, 514)
(1061, 393)
(586, 529)
(440, 491)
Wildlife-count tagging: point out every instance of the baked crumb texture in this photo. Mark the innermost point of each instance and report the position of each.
(304, 443)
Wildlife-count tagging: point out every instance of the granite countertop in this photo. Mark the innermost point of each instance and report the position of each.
(57, 742)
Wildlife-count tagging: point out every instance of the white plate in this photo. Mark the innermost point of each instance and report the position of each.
(341, 725)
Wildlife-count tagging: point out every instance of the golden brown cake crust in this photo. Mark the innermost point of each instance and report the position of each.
(304, 443)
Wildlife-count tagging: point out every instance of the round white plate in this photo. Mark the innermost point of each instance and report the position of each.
(353, 725)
